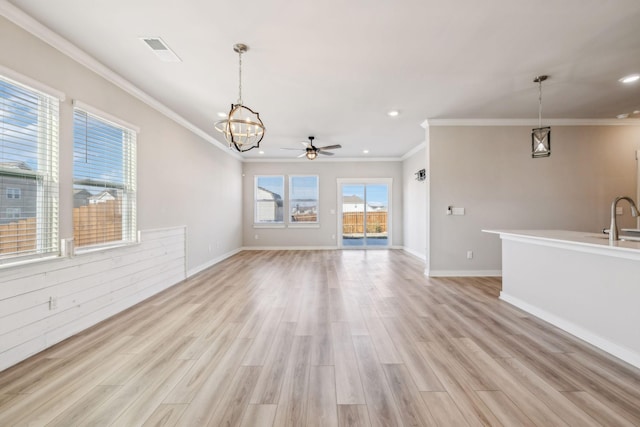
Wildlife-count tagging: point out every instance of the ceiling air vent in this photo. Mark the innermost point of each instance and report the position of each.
(160, 48)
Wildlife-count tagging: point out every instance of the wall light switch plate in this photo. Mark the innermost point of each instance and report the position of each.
(619, 210)
(458, 211)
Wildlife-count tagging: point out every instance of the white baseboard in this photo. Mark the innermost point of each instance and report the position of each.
(620, 352)
(463, 273)
(212, 262)
(420, 256)
(289, 248)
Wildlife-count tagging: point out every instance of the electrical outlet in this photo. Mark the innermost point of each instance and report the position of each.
(619, 210)
(469, 254)
(256, 237)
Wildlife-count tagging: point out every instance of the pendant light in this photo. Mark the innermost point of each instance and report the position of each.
(242, 129)
(540, 136)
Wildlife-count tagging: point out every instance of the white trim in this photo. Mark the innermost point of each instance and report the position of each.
(620, 352)
(464, 273)
(533, 122)
(31, 83)
(414, 150)
(26, 22)
(105, 116)
(295, 225)
(421, 257)
(266, 225)
(322, 160)
(289, 248)
(211, 263)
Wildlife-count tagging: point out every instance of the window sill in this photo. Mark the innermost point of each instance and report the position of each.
(304, 225)
(23, 262)
(269, 225)
(101, 248)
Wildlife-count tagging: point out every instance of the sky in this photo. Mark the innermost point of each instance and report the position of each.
(376, 193)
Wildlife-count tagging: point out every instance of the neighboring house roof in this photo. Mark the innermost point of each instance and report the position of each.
(352, 199)
(15, 165)
(274, 196)
(105, 195)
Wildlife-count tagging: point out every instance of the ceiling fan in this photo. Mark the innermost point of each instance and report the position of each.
(311, 151)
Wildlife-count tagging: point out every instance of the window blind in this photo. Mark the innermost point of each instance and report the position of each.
(303, 198)
(28, 172)
(104, 181)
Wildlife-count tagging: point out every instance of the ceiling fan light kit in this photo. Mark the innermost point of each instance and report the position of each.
(311, 151)
(242, 128)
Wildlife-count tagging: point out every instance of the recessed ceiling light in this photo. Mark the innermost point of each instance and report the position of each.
(221, 114)
(630, 78)
(393, 113)
(261, 152)
(365, 151)
(622, 116)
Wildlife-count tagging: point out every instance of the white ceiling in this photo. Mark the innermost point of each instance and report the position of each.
(334, 69)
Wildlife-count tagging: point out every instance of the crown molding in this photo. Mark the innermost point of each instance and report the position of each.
(27, 23)
(533, 122)
(323, 160)
(414, 150)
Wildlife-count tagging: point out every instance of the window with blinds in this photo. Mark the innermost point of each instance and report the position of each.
(269, 199)
(104, 181)
(28, 172)
(303, 198)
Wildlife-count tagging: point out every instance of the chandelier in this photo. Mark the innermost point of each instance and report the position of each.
(540, 137)
(242, 129)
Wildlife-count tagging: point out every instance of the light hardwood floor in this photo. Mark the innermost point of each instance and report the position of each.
(322, 338)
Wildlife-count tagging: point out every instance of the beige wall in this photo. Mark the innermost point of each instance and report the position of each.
(182, 179)
(489, 171)
(328, 172)
(415, 204)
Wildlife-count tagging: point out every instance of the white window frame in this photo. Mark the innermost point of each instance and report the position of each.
(127, 189)
(268, 224)
(14, 193)
(45, 172)
(305, 224)
(11, 213)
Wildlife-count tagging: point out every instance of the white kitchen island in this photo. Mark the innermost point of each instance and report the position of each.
(578, 282)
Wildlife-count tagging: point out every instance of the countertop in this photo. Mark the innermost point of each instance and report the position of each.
(576, 240)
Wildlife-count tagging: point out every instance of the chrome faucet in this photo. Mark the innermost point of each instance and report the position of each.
(613, 229)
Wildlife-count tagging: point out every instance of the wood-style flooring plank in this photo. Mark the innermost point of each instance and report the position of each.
(322, 410)
(327, 338)
(348, 383)
(353, 416)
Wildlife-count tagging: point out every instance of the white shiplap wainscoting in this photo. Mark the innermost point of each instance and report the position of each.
(85, 289)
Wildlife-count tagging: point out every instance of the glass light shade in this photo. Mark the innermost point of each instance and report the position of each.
(242, 129)
(541, 142)
(311, 154)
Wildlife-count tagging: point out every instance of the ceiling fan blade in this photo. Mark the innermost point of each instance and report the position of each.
(326, 153)
(306, 144)
(301, 155)
(296, 149)
(330, 147)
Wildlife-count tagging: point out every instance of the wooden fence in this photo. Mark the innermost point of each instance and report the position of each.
(19, 236)
(97, 223)
(353, 223)
(92, 224)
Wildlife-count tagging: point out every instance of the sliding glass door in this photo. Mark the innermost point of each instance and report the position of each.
(364, 213)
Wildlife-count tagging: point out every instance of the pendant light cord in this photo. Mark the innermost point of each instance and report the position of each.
(240, 78)
(540, 104)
